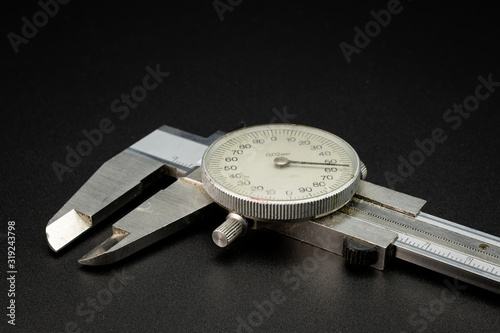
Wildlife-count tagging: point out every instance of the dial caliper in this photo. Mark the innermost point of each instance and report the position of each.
(300, 181)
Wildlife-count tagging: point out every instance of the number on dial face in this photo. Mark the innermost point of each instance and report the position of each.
(281, 163)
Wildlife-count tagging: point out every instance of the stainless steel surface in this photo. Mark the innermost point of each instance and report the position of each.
(178, 149)
(234, 226)
(479, 264)
(425, 240)
(391, 199)
(166, 151)
(118, 181)
(329, 232)
(438, 234)
(165, 213)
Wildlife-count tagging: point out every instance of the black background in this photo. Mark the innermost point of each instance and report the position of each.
(263, 56)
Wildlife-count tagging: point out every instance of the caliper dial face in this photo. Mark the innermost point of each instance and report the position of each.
(281, 162)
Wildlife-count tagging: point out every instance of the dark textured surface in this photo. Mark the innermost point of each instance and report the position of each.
(260, 57)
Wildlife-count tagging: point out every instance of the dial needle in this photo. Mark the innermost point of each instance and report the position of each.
(283, 161)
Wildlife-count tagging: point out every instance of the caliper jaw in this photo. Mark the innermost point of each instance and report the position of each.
(165, 213)
(123, 178)
(109, 189)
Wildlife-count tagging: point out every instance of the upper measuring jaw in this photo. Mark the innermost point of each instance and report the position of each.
(110, 188)
(123, 178)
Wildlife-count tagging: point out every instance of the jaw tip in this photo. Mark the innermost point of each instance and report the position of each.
(91, 261)
(65, 229)
(102, 254)
(53, 246)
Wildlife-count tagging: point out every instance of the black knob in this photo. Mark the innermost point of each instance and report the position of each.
(358, 252)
